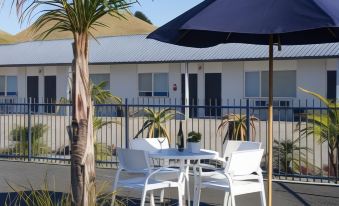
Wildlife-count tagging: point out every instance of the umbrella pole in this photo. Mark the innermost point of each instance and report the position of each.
(270, 122)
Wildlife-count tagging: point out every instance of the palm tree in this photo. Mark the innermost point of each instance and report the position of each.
(325, 127)
(100, 96)
(236, 126)
(78, 17)
(288, 156)
(155, 122)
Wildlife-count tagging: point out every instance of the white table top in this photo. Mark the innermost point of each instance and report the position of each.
(185, 155)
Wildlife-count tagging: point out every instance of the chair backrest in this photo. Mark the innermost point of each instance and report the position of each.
(232, 146)
(134, 161)
(149, 144)
(244, 162)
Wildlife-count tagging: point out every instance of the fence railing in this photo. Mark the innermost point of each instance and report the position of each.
(305, 142)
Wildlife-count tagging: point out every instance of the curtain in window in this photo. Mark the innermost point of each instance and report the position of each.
(98, 78)
(160, 84)
(252, 84)
(11, 85)
(2, 85)
(145, 84)
(284, 84)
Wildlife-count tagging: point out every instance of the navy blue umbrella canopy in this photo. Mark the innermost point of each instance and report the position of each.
(292, 22)
(264, 22)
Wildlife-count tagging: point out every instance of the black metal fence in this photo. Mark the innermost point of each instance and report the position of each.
(305, 139)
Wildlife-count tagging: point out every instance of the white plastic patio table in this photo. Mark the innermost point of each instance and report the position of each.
(183, 156)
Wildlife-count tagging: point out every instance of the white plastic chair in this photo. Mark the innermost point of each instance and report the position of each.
(233, 145)
(154, 145)
(137, 161)
(242, 175)
(230, 147)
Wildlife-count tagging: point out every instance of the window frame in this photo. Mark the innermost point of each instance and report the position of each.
(153, 74)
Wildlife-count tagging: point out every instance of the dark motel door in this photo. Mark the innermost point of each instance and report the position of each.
(33, 91)
(212, 94)
(50, 93)
(193, 93)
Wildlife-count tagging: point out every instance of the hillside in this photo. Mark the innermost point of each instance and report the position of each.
(6, 38)
(116, 27)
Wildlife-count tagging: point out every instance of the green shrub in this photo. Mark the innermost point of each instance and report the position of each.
(20, 136)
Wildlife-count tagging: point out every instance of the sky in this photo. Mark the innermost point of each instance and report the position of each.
(158, 11)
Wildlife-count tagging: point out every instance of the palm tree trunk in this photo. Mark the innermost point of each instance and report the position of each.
(333, 166)
(82, 143)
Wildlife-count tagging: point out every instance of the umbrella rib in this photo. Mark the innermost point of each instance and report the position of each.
(228, 36)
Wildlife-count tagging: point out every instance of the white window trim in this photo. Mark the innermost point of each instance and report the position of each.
(260, 95)
(153, 74)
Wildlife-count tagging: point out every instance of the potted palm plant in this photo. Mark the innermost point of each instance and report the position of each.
(193, 142)
(236, 126)
(155, 123)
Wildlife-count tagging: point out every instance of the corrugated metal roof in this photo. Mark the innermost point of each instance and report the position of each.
(138, 49)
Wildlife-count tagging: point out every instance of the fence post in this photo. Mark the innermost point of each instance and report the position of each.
(29, 130)
(126, 124)
(248, 133)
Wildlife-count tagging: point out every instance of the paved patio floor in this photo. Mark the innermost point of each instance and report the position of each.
(284, 194)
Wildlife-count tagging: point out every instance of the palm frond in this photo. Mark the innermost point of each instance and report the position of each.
(76, 16)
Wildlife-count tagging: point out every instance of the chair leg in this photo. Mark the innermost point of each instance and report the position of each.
(263, 198)
(227, 201)
(232, 199)
(188, 186)
(197, 193)
(180, 195)
(152, 203)
(114, 194)
(113, 199)
(162, 195)
(143, 198)
(262, 192)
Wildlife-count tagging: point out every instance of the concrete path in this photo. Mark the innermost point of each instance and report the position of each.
(20, 174)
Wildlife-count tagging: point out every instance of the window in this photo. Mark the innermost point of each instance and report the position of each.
(284, 84)
(252, 88)
(8, 85)
(11, 86)
(99, 78)
(153, 84)
(331, 84)
(145, 84)
(2, 85)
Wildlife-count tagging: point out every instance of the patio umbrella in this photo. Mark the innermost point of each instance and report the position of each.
(264, 22)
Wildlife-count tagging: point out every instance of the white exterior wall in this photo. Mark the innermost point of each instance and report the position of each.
(174, 77)
(232, 80)
(311, 75)
(63, 75)
(21, 77)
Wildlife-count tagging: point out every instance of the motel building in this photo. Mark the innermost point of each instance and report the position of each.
(138, 68)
